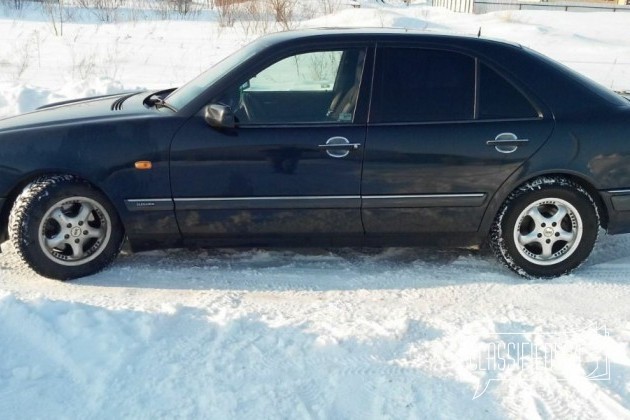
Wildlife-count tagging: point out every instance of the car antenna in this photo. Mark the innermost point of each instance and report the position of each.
(479, 33)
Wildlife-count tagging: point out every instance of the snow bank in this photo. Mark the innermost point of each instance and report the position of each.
(82, 361)
(25, 98)
(70, 360)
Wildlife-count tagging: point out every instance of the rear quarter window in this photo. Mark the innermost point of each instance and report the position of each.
(499, 99)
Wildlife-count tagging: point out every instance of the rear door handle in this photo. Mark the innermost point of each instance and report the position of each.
(507, 142)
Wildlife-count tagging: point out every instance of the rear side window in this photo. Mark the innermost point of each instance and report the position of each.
(421, 85)
(498, 99)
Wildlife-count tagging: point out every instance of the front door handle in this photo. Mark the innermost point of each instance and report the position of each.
(338, 147)
(506, 142)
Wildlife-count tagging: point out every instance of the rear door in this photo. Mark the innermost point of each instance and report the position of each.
(445, 131)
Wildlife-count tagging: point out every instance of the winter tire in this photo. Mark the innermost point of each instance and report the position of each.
(546, 228)
(63, 228)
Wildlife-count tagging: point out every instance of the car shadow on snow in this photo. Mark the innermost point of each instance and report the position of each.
(322, 269)
(299, 269)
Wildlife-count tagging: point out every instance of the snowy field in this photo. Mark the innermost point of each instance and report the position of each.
(340, 334)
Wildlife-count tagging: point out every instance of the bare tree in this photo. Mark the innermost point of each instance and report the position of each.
(104, 10)
(226, 12)
(283, 11)
(15, 4)
(185, 7)
(254, 17)
(331, 6)
(54, 10)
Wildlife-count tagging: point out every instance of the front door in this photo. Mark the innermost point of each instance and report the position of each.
(291, 169)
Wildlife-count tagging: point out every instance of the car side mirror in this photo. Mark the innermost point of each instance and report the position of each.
(219, 116)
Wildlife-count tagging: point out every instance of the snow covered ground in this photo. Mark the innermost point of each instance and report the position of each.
(393, 333)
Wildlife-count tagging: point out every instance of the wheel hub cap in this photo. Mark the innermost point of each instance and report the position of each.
(548, 231)
(74, 231)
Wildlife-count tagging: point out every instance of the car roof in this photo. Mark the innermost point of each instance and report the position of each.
(376, 34)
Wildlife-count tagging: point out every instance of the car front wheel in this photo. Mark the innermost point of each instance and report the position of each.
(546, 228)
(63, 228)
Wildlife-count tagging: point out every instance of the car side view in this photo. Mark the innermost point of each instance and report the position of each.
(328, 137)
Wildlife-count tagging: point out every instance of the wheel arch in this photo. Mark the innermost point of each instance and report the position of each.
(602, 209)
(504, 192)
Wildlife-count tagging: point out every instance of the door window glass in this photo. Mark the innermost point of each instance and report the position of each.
(423, 85)
(313, 87)
(314, 71)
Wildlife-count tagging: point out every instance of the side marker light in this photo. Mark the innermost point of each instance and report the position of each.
(143, 165)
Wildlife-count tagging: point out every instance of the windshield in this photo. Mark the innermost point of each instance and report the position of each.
(182, 96)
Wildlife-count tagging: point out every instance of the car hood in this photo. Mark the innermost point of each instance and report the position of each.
(79, 111)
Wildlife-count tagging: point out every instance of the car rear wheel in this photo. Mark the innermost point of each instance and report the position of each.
(546, 228)
(63, 228)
